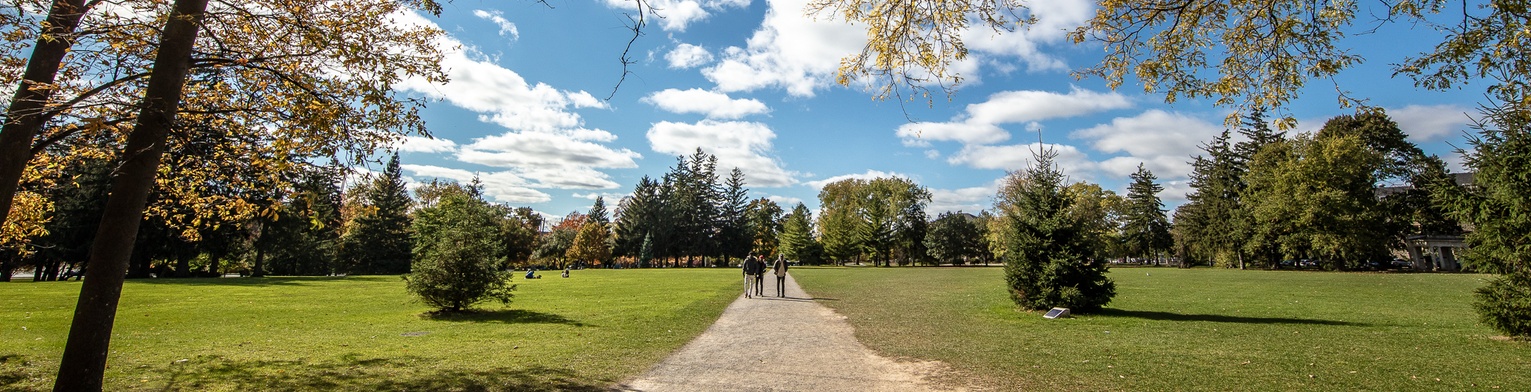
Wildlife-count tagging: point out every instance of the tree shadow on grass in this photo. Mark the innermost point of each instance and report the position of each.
(507, 316)
(265, 281)
(15, 372)
(1168, 316)
(373, 374)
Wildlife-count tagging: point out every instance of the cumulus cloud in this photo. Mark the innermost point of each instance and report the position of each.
(970, 200)
(791, 50)
(546, 146)
(744, 145)
(980, 122)
(711, 104)
(1429, 123)
(502, 186)
(1053, 20)
(1164, 142)
(425, 144)
(1070, 159)
(507, 29)
(688, 56)
(566, 159)
(786, 202)
(676, 15)
(1028, 106)
(869, 174)
(922, 133)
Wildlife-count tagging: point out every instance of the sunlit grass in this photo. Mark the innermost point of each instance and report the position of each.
(1201, 329)
(367, 333)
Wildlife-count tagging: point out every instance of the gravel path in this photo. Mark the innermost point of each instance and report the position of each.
(782, 344)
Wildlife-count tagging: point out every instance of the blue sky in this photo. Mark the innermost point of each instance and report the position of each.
(753, 83)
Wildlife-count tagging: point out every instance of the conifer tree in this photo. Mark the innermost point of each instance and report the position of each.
(1499, 209)
(379, 240)
(455, 263)
(1051, 261)
(1145, 228)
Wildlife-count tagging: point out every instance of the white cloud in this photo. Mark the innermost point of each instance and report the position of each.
(922, 133)
(546, 146)
(744, 145)
(791, 50)
(1428, 123)
(1053, 20)
(1163, 141)
(1070, 160)
(868, 175)
(502, 186)
(676, 15)
(565, 159)
(979, 124)
(712, 104)
(970, 200)
(688, 56)
(786, 202)
(1028, 106)
(425, 144)
(507, 29)
(611, 198)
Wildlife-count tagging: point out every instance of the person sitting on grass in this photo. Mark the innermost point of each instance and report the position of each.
(531, 273)
(565, 272)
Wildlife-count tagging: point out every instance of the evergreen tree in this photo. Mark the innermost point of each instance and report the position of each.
(1051, 261)
(646, 252)
(764, 224)
(598, 211)
(306, 238)
(733, 217)
(797, 241)
(1210, 222)
(636, 218)
(379, 240)
(1499, 209)
(1145, 229)
(454, 263)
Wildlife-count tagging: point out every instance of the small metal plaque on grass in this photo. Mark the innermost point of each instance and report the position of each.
(1057, 313)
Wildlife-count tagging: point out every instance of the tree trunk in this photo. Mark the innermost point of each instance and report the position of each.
(90, 334)
(25, 115)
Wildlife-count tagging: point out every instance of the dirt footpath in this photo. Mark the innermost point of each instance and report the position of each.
(782, 344)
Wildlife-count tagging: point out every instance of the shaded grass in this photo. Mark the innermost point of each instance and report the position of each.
(1200, 329)
(367, 333)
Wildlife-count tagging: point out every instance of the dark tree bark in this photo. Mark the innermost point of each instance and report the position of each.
(24, 118)
(90, 334)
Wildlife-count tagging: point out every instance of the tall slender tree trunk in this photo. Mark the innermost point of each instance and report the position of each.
(90, 334)
(25, 115)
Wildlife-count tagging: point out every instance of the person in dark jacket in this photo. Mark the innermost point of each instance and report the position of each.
(755, 267)
(749, 276)
(781, 275)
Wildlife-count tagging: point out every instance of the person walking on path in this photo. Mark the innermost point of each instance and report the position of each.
(758, 267)
(749, 273)
(781, 275)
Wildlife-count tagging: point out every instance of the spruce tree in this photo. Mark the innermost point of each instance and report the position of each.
(455, 257)
(1499, 209)
(379, 239)
(1146, 229)
(1050, 261)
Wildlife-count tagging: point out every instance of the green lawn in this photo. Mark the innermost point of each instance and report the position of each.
(1200, 329)
(367, 333)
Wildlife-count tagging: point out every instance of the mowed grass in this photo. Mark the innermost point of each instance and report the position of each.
(1200, 329)
(367, 333)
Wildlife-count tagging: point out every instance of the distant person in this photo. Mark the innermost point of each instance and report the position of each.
(745, 269)
(781, 275)
(755, 267)
(531, 273)
(565, 272)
